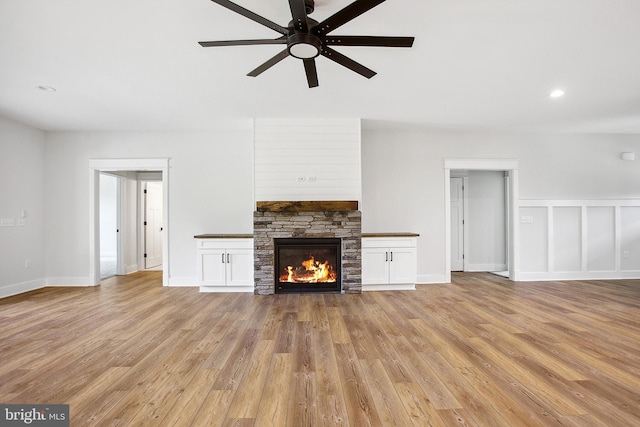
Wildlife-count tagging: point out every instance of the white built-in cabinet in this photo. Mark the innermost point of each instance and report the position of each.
(389, 263)
(225, 264)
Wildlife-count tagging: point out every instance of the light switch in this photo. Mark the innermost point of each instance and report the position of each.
(526, 220)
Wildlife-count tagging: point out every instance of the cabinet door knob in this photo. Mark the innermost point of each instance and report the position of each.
(228, 259)
(223, 258)
(386, 256)
(391, 255)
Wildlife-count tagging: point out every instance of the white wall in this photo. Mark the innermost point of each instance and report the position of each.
(22, 178)
(210, 191)
(403, 181)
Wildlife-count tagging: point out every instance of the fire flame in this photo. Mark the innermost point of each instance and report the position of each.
(311, 271)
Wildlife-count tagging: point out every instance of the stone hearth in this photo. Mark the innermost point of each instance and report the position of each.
(323, 219)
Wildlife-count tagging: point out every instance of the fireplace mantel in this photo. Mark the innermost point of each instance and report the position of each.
(308, 206)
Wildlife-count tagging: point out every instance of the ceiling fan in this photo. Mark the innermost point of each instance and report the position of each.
(307, 39)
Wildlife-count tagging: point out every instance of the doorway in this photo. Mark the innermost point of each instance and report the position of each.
(479, 219)
(126, 166)
(510, 170)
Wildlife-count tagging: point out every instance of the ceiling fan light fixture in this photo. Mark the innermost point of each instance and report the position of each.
(304, 46)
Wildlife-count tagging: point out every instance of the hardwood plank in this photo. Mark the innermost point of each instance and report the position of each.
(360, 407)
(302, 407)
(246, 399)
(214, 409)
(417, 404)
(275, 398)
(386, 399)
(185, 409)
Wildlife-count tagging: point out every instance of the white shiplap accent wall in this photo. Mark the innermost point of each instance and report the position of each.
(307, 159)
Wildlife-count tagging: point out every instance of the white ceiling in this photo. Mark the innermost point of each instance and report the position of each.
(490, 64)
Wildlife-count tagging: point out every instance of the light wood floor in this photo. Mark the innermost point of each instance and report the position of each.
(482, 351)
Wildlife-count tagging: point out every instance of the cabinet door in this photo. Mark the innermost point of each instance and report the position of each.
(375, 267)
(402, 265)
(240, 267)
(212, 267)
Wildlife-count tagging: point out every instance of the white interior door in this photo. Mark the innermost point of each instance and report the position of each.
(153, 224)
(457, 224)
(109, 226)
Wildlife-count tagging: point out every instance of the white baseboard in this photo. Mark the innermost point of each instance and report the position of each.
(576, 275)
(19, 288)
(211, 289)
(389, 287)
(431, 279)
(484, 267)
(129, 269)
(183, 281)
(70, 281)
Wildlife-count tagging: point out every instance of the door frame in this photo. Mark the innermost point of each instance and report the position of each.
(112, 165)
(463, 226)
(511, 166)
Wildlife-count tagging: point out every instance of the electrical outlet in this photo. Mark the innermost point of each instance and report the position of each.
(526, 220)
(301, 179)
(625, 254)
(27, 264)
(311, 178)
(7, 222)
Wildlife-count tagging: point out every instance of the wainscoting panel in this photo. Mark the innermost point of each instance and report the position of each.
(630, 238)
(567, 239)
(601, 238)
(579, 239)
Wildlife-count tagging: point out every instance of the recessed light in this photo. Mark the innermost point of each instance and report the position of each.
(47, 88)
(558, 93)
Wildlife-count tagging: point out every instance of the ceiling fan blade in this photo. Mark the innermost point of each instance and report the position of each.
(312, 72)
(369, 41)
(299, 14)
(281, 40)
(345, 15)
(331, 54)
(270, 63)
(251, 15)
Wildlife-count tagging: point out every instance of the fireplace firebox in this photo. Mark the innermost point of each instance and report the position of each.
(307, 265)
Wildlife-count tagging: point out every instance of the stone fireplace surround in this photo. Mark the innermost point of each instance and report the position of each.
(307, 219)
